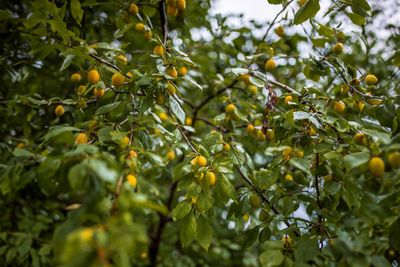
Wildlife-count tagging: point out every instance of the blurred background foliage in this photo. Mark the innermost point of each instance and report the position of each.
(288, 178)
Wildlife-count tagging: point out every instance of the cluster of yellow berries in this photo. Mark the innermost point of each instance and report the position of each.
(175, 6)
(140, 27)
(199, 162)
(259, 134)
(376, 165)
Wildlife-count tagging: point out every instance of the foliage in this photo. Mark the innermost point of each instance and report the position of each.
(155, 133)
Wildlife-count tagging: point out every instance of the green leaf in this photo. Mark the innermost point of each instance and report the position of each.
(354, 160)
(204, 201)
(181, 210)
(394, 234)
(102, 170)
(77, 176)
(301, 164)
(306, 249)
(19, 152)
(356, 19)
(227, 187)
(239, 71)
(107, 108)
(188, 230)
(257, 82)
(271, 258)
(76, 11)
(67, 61)
(275, 2)
(307, 11)
(204, 233)
(57, 130)
(177, 110)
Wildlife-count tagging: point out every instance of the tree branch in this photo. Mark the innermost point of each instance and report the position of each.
(164, 20)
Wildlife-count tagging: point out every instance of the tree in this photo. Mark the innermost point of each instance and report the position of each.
(151, 133)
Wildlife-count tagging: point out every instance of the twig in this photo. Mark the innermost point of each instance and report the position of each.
(164, 21)
(284, 86)
(187, 140)
(219, 128)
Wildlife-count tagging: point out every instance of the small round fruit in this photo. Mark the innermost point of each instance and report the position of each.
(81, 89)
(263, 216)
(227, 147)
(360, 105)
(182, 71)
(122, 59)
(132, 154)
(158, 51)
(255, 201)
(201, 161)
(172, 11)
(344, 89)
(189, 121)
(338, 48)
(253, 89)
(245, 78)
(132, 180)
(211, 178)
(250, 128)
(287, 241)
(288, 178)
(299, 153)
(312, 131)
(140, 27)
(76, 77)
(148, 35)
(163, 116)
(371, 79)
(376, 166)
(171, 155)
(270, 134)
(93, 76)
(302, 2)
(98, 92)
(230, 108)
(181, 4)
(171, 88)
(118, 79)
(360, 138)
(260, 135)
(171, 71)
(133, 9)
(81, 139)
(288, 99)
(287, 153)
(59, 111)
(339, 107)
(270, 65)
(124, 142)
(280, 31)
(394, 160)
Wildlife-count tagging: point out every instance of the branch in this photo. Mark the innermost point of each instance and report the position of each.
(266, 200)
(187, 140)
(219, 128)
(284, 86)
(164, 20)
(105, 62)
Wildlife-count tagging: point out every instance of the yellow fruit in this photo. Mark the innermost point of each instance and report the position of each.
(93, 76)
(124, 142)
(59, 111)
(133, 9)
(344, 89)
(287, 153)
(250, 128)
(253, 89)
(132, 180)
(227, 147)
(81, 139)
(163, 116)
(122, 59)
(132, 154)
(201, 161)
(171, 71)
(360, 139)
(159, 51)
(287, 241)
(86, 234)
(371, 79)
(182, 71)
(394, 160)
(245, 78)
(148, 35)
(312, 131)
(376, 166)
(288, 99)
(171, 155)
(81, 89)
(21, 145)
(338, 48)
(181, 4)
(76, 77)
(160, 99)
(255, 201)
(211, 178)
(260, 135)
(171, 88)
(199, 177)
(118, 79)
(288, 178)
(98, 92)
(301, 2)
(172, 11)
(189, 121)
(328, 178)
(230, 108)
(270, 65)
(360, 105)
(374, 102)
(280, 31)
(339, 107)
(140, 27)
(246, 217)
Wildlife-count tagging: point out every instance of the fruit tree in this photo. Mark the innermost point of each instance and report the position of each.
(158, 133)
